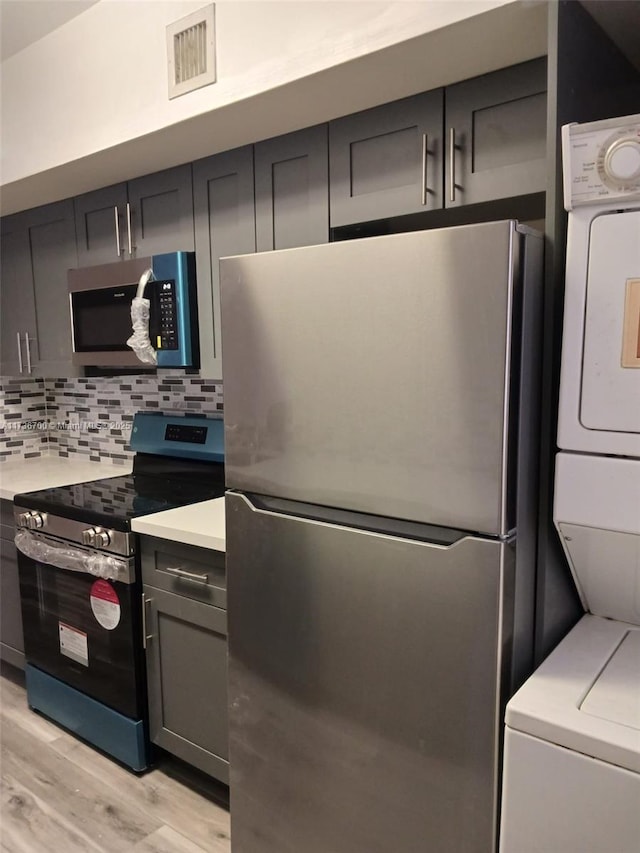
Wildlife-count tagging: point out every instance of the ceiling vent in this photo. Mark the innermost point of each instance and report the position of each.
(191, 52)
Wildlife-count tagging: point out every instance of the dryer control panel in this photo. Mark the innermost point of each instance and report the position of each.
(601, 161)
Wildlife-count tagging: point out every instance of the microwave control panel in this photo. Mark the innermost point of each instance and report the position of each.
(166, 315)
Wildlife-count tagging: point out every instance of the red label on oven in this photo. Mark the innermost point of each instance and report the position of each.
(105, 604)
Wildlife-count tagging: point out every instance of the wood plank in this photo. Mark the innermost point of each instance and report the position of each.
(162, 794)
(166, 840)
(111, 818)
(16, 709)
(30, 825)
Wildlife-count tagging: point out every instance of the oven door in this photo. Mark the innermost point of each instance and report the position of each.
(79, 627)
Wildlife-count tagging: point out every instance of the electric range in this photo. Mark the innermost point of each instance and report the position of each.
(81, 587)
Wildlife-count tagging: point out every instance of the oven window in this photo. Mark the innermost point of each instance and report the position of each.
(102, 318)
(95, 649)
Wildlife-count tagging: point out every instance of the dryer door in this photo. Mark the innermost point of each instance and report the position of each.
(610, 398)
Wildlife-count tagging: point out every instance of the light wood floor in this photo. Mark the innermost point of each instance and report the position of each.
(60, 796)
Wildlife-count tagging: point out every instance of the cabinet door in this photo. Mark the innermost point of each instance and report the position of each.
(161, 213)
(224, 225)
(39, 248)
(387, 161)
(11, 637)
(18, 312)
(99, 229)
(292, 190)
(496, 135)
(53, 253)
(187, 679)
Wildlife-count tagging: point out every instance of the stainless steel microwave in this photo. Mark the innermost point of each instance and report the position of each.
(100, 300)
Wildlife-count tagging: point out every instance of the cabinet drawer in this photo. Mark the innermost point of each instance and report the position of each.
(196, 573)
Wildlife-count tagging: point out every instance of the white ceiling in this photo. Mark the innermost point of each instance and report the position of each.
(23, 22)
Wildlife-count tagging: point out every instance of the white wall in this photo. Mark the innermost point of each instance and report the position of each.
(100, 81)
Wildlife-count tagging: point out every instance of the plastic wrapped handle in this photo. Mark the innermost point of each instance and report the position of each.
(67, 556)
(139, 340)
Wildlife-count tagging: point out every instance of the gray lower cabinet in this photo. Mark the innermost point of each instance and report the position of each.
(186, 652)
(387, 161)
(224, 210)
(496, 135)
(37, 248)
(11, 637)
(146, 216)
(292, 190)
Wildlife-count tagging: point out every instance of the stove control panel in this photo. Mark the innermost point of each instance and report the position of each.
(601, 161)
(32, 520)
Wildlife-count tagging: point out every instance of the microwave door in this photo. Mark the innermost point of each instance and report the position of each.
(101, 319)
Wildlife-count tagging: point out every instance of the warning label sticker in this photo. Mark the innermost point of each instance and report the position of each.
(73, 643)
(105, 604)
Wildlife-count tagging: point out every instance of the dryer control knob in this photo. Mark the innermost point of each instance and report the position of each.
(622, 161)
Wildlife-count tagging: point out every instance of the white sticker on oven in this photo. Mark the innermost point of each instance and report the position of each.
(105, 604)
(73, 643)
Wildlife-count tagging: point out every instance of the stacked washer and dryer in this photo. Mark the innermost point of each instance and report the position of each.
(572, 742)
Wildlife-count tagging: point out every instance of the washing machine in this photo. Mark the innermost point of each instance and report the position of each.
(571, 775)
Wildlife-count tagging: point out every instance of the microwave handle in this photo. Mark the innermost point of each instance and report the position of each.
(20, 365)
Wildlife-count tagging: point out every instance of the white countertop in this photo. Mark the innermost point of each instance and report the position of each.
(201, 524)
(45, 472)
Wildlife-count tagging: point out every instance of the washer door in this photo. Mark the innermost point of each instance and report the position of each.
(610, 398)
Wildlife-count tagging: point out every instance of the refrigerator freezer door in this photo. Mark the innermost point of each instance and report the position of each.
(364, 678)
(373, 374)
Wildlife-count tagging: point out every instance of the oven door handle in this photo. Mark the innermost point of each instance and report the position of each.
(67, 556)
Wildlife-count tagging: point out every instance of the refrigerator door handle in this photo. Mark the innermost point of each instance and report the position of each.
(441, 537)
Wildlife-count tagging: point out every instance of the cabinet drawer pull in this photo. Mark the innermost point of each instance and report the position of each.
(145, 636)
(191, 576)
(19, 353)
(115, 210)
(424, 168)
(452, 164)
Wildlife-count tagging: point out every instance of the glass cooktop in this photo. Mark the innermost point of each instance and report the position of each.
(114, 501)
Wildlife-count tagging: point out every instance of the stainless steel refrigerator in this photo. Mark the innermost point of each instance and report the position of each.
(380, 436)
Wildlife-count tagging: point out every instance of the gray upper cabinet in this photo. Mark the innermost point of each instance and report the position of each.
(224, 225)
(496, 135)
(98, 226)
(387, 161)
(146, 216)
(38, 247)
(292, 190)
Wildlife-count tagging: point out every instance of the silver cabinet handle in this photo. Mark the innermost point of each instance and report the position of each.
(191, 576)
(145, 636)
(27, 341)
(424, 169)
(452, 164)
(19, 353)
(129, 230)
(115, 210)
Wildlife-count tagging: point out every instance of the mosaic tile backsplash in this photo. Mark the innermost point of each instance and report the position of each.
(23, 418)
(91, 417)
